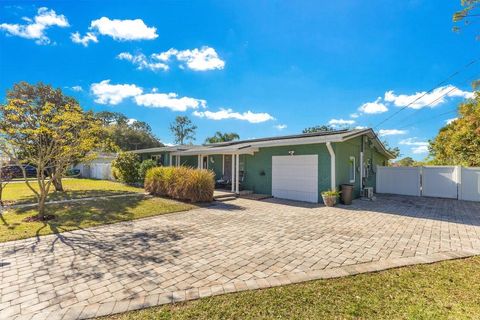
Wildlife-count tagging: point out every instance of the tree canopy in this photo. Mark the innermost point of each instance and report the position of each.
(318, 128)
(458, 143)
(126, 134)
(183, 130)
(42, 127)
(222, 137)
(469, 10)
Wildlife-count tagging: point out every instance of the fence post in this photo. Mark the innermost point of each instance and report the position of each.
(459, 182)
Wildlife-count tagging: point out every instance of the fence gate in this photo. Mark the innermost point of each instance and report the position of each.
(440, 182)
(469, 188)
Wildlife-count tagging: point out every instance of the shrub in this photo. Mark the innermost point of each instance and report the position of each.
(144, 166)
(125, 167)
(181, 183)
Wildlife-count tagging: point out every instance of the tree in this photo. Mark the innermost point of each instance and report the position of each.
(42, 127)
(406, 162)
(125, 133)
(222, 137)
(394, 151)
(183, 129)
(126, 167)
(318, 128)
(458, 143)
(6, 175)
(465, 14)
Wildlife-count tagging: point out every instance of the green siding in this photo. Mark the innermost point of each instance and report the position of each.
(343, 152)
(189, 161)
(258, 168)
(352, 147)
(216, 166)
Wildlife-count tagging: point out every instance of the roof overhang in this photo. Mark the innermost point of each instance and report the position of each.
(252, 146)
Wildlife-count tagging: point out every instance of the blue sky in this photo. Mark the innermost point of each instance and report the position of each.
(258, 68)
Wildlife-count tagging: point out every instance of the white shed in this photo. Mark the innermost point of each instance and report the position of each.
(98, 168)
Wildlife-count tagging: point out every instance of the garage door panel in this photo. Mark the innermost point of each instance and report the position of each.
(295, 177)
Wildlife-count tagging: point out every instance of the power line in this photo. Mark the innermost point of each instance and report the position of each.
(470, 79)
(427, 92)
(434, 117)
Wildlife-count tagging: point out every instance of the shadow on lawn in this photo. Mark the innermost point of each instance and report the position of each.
(74, 194)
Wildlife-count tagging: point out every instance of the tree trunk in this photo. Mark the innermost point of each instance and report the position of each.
(57, 183)
(41, 205)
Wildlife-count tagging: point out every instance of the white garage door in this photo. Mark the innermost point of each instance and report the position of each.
(295, 177)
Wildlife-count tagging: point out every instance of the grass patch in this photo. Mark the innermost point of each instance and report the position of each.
(445, 290)
(74, 189)
(84, 214)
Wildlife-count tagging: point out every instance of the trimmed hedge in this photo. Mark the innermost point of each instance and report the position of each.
(181, 183)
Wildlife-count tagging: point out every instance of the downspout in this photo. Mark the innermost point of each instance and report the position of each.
(361, 164)
(333, 182)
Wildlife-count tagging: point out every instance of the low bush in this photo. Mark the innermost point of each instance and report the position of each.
(125, 167)
(181, 183)
(144, 166)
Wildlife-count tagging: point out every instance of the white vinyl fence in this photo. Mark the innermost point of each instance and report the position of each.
(469, 188)
(453, 182)
(398, 180)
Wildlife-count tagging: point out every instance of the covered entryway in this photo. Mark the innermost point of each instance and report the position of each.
(295, 177)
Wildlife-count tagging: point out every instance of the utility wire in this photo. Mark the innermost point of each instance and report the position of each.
(428, 119)
(427, 92)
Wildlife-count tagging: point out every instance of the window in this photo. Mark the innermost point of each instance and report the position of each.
(351, 170)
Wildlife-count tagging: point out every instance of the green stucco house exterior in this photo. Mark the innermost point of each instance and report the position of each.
(296, 167)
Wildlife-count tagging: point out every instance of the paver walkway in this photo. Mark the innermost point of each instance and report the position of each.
(233, 246)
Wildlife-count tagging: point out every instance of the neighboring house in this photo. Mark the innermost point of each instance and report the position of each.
(296, 167)
(98, 168)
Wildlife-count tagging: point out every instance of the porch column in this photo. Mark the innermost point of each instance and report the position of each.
(199, 162)
(177, 157)
(237, 178)
(233, 173)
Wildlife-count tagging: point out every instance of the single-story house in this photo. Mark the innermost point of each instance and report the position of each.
(297, 167)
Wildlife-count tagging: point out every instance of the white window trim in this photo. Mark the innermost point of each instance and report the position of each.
(354, 169)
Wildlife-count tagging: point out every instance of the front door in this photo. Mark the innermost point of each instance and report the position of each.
(227, 167)
(205, 162)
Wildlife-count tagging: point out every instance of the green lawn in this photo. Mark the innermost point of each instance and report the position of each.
(83, 214)
(74, 188)
(445, 290)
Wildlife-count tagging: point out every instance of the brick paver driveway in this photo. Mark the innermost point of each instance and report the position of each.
(239, 245)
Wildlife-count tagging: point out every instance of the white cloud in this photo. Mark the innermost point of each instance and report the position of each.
(36, 27)
(124, 30)
(360, 127)
(168, 100)
(337, 123)
(354, 115)
(106, 93)
(142, 62)
(89, 36)
(281, 126)
(448, 121)
(418, 147)
(131, 121)
(390, 132)
(373, 107)
(230, 114)
(202, 59)
(432, 99)
(77, 88)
